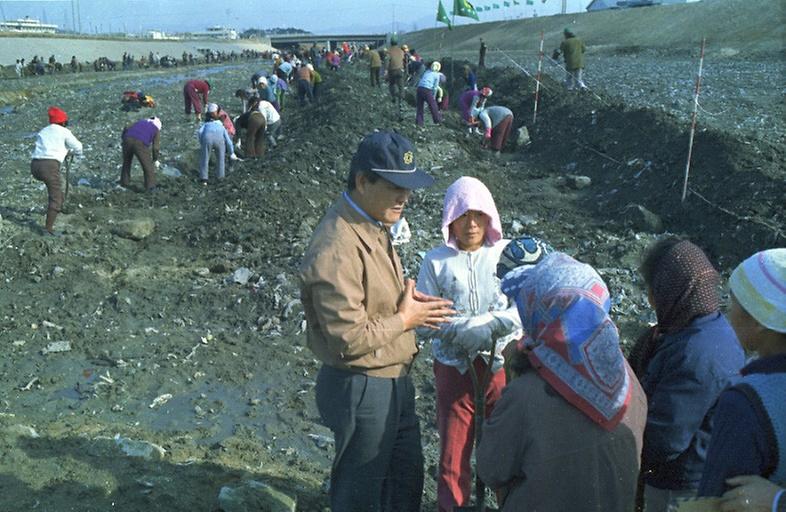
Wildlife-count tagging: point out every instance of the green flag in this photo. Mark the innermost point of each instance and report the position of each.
(488, 8)
(464, 8)
(496, 6)
(516, 2)
(442, 15)
(506, 4)
(530, 2)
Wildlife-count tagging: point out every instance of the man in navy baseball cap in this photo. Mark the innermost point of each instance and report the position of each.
(392, 157)
(361, 316)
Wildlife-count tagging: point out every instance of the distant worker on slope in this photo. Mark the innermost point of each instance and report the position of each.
(213, 137)
(191, 92)
(255, 125)
(375, 63)
(427, 92)
(141, 140)
(482, 54)
(396, 72)
(497, 122)
(52, 145)
(471, 103)
(572, 48)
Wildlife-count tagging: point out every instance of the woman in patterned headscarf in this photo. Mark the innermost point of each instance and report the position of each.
(567, 432)
(684, 362)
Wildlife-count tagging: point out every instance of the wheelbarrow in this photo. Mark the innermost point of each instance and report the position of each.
(480, 414)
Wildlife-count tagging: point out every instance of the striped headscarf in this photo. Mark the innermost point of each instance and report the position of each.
(759, 285)
(570, 339)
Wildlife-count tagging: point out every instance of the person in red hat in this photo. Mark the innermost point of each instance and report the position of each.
(52, 145)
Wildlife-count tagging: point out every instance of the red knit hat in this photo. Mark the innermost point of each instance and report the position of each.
(57, 116)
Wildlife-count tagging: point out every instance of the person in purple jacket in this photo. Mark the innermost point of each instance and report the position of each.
(470, 101)
(141, 140)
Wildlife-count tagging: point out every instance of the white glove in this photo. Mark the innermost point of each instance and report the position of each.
(157, 164)
(475, 333)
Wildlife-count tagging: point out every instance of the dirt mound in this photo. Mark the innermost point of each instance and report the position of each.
(192, 337)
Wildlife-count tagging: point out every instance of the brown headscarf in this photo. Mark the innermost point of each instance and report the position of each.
(684, 286)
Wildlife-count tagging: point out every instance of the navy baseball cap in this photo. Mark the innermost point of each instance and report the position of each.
(392, 157)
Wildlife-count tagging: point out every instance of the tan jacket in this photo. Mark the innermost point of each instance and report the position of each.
(544, 455)
(350, 285)
(395, 58)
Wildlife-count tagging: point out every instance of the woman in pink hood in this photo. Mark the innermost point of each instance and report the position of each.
(463, 270)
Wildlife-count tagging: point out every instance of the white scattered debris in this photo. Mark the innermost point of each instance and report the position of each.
(56, 347)
(160, 400)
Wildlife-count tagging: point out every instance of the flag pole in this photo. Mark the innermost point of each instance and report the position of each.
(452, 42)
(693, 121)
(537, 81)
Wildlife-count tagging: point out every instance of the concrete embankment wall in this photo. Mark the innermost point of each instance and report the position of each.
(89, 49)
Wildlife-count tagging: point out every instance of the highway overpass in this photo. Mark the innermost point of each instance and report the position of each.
(293, 40)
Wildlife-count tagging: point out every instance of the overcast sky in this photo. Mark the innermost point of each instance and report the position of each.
(318, 16)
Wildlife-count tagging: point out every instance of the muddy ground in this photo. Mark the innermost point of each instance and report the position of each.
(163, 316)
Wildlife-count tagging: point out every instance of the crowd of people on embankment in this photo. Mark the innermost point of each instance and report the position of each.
(521, 334)
(39, 66)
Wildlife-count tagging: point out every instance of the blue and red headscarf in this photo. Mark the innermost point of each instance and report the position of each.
(570, 339)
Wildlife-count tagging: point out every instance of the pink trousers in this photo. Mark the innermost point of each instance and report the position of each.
(455, 422)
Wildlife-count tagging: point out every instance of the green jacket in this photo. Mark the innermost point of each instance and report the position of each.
(573, 49)
(374, 59)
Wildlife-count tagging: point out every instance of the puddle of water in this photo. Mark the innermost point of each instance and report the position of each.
(229, 403)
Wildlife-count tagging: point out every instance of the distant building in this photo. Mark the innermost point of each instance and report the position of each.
(599, 5)
(28, 25)
(216, 32)
(160, 35)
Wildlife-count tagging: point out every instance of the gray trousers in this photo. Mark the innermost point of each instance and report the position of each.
(214, 141)
(378, 465)
(573, 79)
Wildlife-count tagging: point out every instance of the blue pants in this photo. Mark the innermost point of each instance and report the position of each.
(378, 465)
(214, 141)
(304, 91)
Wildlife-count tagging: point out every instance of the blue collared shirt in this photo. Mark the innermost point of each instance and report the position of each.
(361, 211)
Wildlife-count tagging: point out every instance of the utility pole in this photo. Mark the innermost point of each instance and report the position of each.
(79, 16)
(564, 6)
(73, 16)
(393, 22)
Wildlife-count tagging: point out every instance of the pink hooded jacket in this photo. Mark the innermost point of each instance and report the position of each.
(465, 194)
